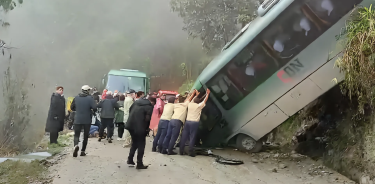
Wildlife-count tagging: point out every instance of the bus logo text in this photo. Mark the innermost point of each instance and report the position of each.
(289, 71)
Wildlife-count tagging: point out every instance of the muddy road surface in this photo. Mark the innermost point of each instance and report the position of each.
(106, 163)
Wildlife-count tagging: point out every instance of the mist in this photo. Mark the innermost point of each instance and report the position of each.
(73, 43)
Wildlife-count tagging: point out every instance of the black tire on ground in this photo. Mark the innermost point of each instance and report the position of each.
(248, 144)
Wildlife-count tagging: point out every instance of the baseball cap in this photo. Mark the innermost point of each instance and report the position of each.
(86, 87)
(130, 91)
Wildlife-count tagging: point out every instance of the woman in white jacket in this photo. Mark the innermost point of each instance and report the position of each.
(129, 100)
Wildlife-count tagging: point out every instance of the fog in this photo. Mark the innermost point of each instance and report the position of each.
(72, 43)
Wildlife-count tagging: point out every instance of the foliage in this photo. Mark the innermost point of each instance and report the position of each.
(16, 172)
(6, 6)
(358, 58)
(16, 116)
(215, 22)
(186, 86)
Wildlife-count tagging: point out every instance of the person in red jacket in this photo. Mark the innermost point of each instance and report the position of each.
(104, 94)
(156, 114)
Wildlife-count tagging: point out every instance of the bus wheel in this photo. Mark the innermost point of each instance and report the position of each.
(246, 143)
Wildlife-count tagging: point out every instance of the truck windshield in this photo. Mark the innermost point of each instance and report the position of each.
(124, 83)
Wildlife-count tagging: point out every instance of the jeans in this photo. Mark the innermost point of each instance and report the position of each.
(107, 123)
(139, 143)
(189, 132)
(120, 129)
(93, 129)
(160, 135)
(172, 134)
(77, 132)
(53, 137)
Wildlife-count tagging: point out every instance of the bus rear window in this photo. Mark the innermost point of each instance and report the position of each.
(289, 34)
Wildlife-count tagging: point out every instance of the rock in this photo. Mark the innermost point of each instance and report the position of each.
(365, 180)
(276, 155)
(274, 170)
(254, 160)
(282, 166)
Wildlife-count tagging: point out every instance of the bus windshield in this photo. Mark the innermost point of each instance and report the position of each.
(125, 83)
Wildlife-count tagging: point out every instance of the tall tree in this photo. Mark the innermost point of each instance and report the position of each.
(7, 5)
(215, 22)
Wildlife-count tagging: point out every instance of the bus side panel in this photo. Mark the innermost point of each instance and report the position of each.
(270, 118)
(298, 97)
(327, 76)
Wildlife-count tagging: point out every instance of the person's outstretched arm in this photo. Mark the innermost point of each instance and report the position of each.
(207, 94)
(190, 96)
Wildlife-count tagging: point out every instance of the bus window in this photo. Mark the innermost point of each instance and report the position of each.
(291, 32)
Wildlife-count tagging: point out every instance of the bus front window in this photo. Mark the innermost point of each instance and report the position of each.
(125, 83)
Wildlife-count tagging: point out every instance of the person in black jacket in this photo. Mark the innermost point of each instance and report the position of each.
(95, 94)
(138, 126)
(56, 115)
(107, 115)
(84, 105)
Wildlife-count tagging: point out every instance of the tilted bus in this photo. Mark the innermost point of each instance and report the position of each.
(273, 67)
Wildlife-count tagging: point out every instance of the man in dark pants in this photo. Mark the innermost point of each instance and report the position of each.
(163, 124)
(107, 115)
(138, 126)
(56, 115)
(174, 127)
(84, 105)
(192, 123)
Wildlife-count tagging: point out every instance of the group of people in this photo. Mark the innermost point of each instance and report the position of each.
(132, 114)
(179, 119)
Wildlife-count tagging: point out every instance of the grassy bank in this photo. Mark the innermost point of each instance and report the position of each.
(63, 141)
(20, 172)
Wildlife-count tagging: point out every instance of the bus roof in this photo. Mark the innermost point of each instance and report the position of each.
(128, 73)
(255, 28)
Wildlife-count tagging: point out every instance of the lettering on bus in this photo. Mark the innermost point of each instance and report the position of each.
(289, 71)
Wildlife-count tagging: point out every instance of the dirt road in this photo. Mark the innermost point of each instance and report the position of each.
(106, 163)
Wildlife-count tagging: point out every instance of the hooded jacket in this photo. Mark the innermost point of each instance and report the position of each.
(108, 106)
(128, 102)
(139, 117)
(84, 105)
(56, 114)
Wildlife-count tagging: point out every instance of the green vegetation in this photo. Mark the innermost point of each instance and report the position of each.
(19, 172)
(16, 116)
(54, 149)
(358, 59)
(214, 22)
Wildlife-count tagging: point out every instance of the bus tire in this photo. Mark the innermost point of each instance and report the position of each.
(248, 144)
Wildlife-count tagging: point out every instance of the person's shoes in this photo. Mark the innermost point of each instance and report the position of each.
(130, 163)
(192, 155)
(172, 153)
(153, 150)
(75, 152)
(159, 150)
(100, 139)
(164, 152)
(109, 140)
(141, 166)
(82, 154)
(119, 139)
